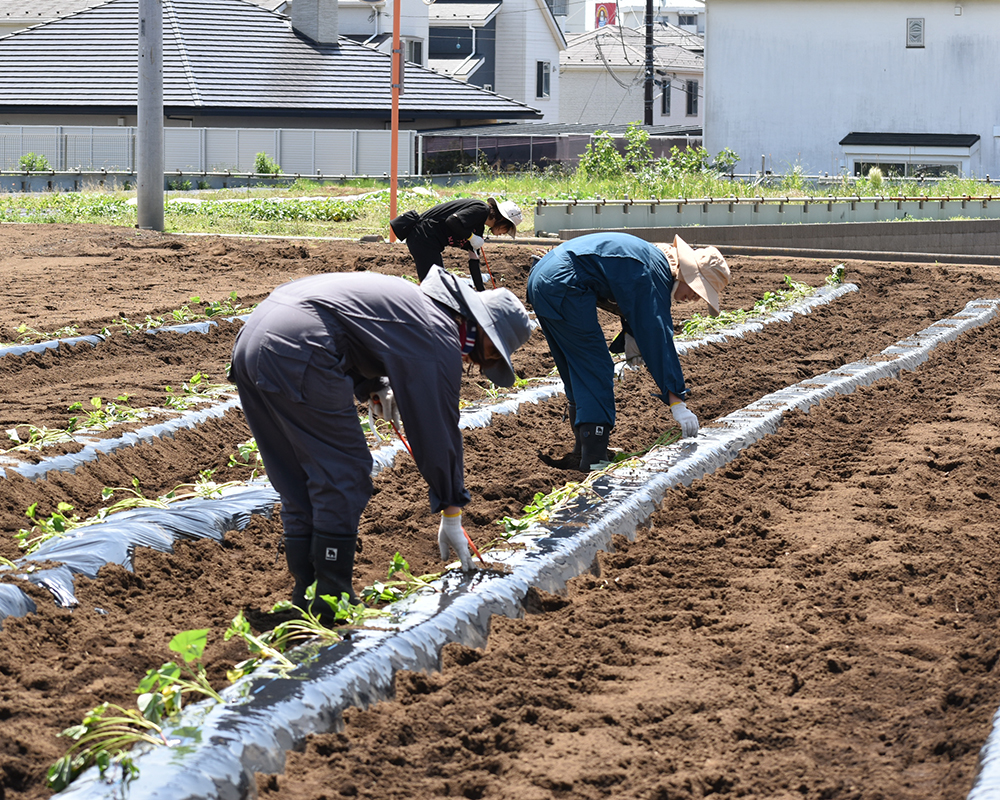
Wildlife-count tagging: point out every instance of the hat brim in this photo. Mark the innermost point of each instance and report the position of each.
(501, 373)
(687, 262)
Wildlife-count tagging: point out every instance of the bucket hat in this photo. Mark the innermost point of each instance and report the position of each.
(510, 211)
(704, 270)
(497, 311)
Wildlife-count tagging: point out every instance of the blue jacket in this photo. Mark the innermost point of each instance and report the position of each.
(626, 270)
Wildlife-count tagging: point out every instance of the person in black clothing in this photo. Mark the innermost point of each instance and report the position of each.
(457, 223)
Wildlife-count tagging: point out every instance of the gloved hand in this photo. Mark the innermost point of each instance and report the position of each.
(685, 418)
(476, 242)
(452, 537)
(633, 358)
(383, 405)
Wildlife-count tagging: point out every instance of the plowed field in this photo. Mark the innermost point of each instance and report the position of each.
(816, 619)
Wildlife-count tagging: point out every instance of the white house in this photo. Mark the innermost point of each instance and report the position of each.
(583, 15)
(689, 16)
(602, 77)
(529, 41)
(836, 86)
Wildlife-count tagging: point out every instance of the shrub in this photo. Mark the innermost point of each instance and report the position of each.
(34, 162)
(265, 165)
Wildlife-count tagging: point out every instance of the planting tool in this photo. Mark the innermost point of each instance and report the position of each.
(468, 538)
(482, 252)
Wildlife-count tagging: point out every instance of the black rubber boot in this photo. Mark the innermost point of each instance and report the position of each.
(477, 275)
(594, 438)
(298, 555)
(571, 413)
(333, 560)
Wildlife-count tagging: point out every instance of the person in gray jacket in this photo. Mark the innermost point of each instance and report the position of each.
(318, 343)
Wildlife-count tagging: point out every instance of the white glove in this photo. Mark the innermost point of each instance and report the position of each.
(451, 536)
(633, 358)
(685, 418)
(477, 242)
(383, 405)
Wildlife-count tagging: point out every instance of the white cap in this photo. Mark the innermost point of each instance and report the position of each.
(509, 211)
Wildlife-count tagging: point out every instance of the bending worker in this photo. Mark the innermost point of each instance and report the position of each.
(457, 223)
(316, 344)
(565, 288)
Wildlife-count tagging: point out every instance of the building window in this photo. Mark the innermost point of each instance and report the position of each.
(542, 72)
(687, 19)
(665, 87)
(415, 51)
(692, 98)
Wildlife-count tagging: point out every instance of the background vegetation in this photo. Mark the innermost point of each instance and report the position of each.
(356, 208)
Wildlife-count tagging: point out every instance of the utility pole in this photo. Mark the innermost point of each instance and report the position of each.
(149, 105)
(649, 62)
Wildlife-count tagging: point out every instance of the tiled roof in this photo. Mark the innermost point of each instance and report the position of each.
(674, 48)
(230, 55)
(42, 10)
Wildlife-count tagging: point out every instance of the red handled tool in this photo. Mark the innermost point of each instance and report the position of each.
(482, 252)
(468, 538)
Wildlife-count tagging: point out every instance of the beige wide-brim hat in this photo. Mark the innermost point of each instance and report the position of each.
(704, 270)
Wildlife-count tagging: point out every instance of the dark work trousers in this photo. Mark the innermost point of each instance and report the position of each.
(581, 354)
(426, 253)
(313, 447)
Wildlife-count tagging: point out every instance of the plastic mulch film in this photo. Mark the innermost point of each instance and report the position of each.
(84, 550)
(93, 449)
(95, 339)
(217, 747)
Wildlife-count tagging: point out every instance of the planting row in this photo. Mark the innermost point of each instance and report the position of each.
(125, 620)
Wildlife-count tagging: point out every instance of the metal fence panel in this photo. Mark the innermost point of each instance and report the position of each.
(336, 152)
(253, 141)
(296, 151)
(182, 149)
(221, 149)
(374, 152)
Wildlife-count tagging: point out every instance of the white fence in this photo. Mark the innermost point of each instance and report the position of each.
(206, 150)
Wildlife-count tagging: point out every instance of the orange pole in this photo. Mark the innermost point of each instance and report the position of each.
(397, 81)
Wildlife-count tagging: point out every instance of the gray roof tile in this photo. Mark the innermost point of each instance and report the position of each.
(222, 54)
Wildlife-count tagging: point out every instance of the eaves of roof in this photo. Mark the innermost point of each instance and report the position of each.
(223, 54)
(449, 15)
(911, 139)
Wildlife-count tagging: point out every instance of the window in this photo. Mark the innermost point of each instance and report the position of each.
(665, 86)
(687, 19)
(542, 72)
(915, 32)
(415, 51)
(692, 98)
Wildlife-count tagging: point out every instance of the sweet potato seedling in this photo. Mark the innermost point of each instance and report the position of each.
(108, 731)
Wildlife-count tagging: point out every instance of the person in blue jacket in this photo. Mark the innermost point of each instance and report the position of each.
(317, 344)
(641, 280)
(458, 223)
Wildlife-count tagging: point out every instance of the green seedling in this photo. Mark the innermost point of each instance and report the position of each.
(162, 691)
(55, 526)
(105, 415)
(399, 582)
(305, 627)
(198, 389)
(699, 325)
(246, 452)
(107, 732)
(37, 438)
(28, 335)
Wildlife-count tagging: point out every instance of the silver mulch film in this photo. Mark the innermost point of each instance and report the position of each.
(219, 746)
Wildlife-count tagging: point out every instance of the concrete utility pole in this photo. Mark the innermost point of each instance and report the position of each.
(649, 63)
(149, 146)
